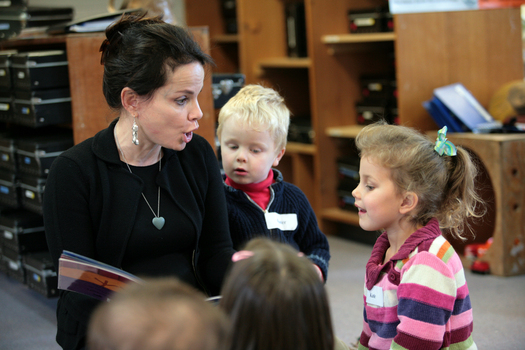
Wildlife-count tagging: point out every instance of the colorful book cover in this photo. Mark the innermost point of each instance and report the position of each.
(84, 275)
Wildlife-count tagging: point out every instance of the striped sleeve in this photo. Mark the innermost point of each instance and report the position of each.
(432, 294)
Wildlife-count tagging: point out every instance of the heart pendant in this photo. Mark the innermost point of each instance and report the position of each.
(158, 222)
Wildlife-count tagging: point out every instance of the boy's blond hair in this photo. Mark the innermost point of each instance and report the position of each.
(260, 109)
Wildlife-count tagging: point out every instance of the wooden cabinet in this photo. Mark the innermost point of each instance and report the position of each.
(481, 49)
(90, 112)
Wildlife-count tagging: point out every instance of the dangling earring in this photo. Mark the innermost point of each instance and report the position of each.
(135, 130)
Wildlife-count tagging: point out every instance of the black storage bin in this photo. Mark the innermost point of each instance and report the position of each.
(3, 263)
(42, 107)
(348, 169)
(365, 21)
(225, 86)
(296, 29)
(32, 192)
(229, 16)
(346, 200)
(372, 20)
(41, 275)
(300, 130)
(8, 153)
(371, 110)
(35, 155)
(348, 166)
(9, 189)
(379, 87)
(13, 19)
(14, 266)
(6, 107)
(44, 16)
(23, 231)
(6, 82)
(40, 70)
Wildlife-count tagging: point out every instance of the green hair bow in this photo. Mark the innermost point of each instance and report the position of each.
(443, 146)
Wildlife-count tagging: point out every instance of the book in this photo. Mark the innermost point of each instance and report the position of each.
(454, 106)
(80, 274)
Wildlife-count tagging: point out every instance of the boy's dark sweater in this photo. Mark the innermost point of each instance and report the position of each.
(247, 221)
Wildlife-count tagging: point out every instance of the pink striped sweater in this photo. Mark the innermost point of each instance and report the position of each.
(423, 300)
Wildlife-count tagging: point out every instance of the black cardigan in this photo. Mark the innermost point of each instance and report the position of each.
(90, 203)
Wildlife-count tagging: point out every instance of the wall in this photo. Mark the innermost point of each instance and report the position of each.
(87, 8)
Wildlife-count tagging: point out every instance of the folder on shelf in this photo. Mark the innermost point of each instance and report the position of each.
(454, 106)
(97, 23)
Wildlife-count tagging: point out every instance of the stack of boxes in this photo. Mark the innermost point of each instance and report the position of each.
(34, 88)
(348, 171)
(41, 88)
(378, 100)
(229, 14)
(371, 20)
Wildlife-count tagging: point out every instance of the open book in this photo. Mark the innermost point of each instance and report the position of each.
(84, 275)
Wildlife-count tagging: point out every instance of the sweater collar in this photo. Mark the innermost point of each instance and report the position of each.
(253, 187)
(277, 177)
(375, 265)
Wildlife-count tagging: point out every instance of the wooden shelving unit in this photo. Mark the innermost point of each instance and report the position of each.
(482, 49)
(341, 39)
(225, 39)
(90, 112)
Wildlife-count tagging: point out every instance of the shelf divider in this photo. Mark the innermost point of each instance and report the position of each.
(340, 215)
(347, 131)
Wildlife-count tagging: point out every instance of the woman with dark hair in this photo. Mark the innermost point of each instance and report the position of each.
(276, 300)
(139, 195)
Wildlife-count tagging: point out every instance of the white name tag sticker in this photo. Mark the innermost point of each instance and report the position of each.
(284, 222)
(375, 296)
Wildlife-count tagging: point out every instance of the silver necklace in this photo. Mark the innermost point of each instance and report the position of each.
(158, 221)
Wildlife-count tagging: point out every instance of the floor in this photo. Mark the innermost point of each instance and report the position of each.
(27, 319)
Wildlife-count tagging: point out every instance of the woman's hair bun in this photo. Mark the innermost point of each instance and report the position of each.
(115, 31)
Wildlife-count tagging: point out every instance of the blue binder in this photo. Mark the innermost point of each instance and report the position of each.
(454, 106)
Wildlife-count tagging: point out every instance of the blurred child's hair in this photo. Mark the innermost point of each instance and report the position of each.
(445, 185)
(260, 109)
(161, 314)
(276, 300)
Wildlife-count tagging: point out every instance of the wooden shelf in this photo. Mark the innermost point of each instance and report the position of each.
(285, 62)
(354, 43)
(225, 39)
(326, 85)
(340, 215)
(300, 148)
(358, 38)
(348, 131)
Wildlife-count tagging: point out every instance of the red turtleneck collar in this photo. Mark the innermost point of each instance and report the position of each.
(258, 192)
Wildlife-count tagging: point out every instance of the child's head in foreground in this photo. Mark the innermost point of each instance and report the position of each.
(424, 184)
(253, 127)
(161, 314)
(276, 300)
